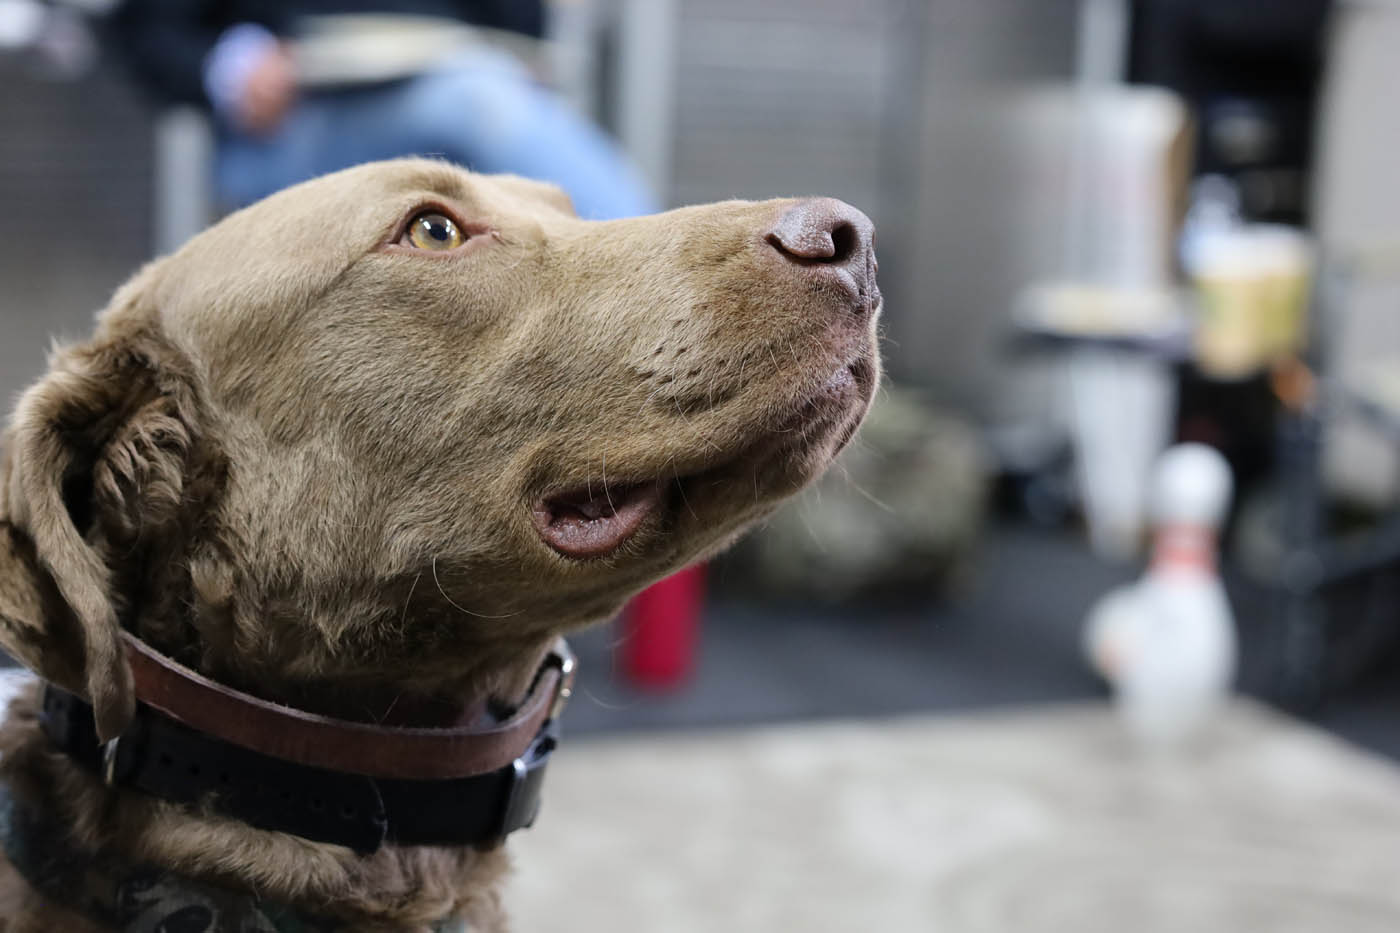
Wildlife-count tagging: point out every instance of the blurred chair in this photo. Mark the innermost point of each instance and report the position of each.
(481, 67)
(184, 200)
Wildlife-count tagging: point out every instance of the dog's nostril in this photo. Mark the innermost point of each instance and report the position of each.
(844, 242)
(825, 231)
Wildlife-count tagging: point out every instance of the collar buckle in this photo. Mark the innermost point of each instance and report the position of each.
(526, 782)
(561, 656)
(523, 793)
(109, 760)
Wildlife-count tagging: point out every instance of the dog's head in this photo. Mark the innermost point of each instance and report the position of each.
(401, 423)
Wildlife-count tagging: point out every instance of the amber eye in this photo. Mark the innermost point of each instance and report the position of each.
(435, 231)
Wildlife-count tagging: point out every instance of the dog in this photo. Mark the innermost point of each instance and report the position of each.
(360, 453)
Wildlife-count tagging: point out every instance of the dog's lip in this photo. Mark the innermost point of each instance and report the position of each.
(594, 521)
(848, 387)
(836, 405)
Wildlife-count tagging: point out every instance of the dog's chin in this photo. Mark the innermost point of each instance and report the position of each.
(785, 453)
(793, 450)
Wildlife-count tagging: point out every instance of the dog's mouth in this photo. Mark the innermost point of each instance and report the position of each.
(838, 405)
(844, 395)
(595, 521)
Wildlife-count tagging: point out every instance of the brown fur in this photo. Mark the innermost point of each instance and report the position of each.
(301, 458)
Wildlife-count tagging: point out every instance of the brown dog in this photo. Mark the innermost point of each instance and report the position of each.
(372, 443)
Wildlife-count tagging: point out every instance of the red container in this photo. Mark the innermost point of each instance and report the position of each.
(661, 628)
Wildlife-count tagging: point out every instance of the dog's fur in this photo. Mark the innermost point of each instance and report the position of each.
(301, 457)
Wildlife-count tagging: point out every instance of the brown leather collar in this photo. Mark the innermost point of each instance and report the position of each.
(342, 745)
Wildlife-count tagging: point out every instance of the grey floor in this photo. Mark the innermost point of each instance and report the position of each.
(1045, 819)
(1011, 639)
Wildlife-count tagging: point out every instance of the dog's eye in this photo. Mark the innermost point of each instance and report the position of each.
(435, 231)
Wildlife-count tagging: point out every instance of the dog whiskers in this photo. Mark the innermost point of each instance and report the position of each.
(606, 494)
(680, 488)
(604, 704)
(679, 410)
(390, 708)
(881, 390)
(403, 616)
(792, 352)
(870, 496)
(804, 512)
(454, 605)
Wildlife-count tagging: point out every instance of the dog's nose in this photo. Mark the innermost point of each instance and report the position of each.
(825, 232)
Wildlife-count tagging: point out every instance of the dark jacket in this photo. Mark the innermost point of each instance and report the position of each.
(165, 41)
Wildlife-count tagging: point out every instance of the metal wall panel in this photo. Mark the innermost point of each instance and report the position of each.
(908, 110)
(75, 192)
(783, 97)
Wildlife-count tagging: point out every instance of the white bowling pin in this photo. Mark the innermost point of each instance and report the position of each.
(1168, 644)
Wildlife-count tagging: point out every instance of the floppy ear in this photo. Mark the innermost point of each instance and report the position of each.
(94, 464)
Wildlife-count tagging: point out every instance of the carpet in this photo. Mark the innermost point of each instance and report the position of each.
(1042, 820)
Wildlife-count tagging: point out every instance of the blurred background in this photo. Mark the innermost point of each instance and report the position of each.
(1106, 227)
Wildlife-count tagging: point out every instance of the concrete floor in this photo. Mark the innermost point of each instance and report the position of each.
(1012, 639)
(992, 822)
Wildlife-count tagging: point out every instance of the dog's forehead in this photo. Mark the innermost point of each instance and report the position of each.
(293, 246)
(507, 195)
(412, 177)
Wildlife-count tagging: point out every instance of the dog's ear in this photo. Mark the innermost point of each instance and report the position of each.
(94, 462)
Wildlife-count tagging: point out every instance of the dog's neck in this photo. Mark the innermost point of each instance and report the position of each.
(423, 886)
(395, 888)
(106, 890)
(492, 677)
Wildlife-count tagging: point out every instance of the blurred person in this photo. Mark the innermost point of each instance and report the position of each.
(424, 87)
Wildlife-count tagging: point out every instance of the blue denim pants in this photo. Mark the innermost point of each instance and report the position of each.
(483, 111)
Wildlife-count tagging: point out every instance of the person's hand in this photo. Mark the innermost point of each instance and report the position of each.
(269, 92)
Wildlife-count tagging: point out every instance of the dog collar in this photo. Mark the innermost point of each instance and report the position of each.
(137, 898)
(329, 780)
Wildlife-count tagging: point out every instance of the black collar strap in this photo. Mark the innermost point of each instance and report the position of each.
(166, 758)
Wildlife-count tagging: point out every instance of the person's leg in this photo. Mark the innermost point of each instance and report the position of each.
(322, 133)
(483, 112)
(488, 114)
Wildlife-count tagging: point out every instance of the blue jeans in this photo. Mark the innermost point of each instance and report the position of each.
(483, 111)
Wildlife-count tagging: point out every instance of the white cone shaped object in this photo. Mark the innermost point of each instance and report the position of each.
(1167, 644)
